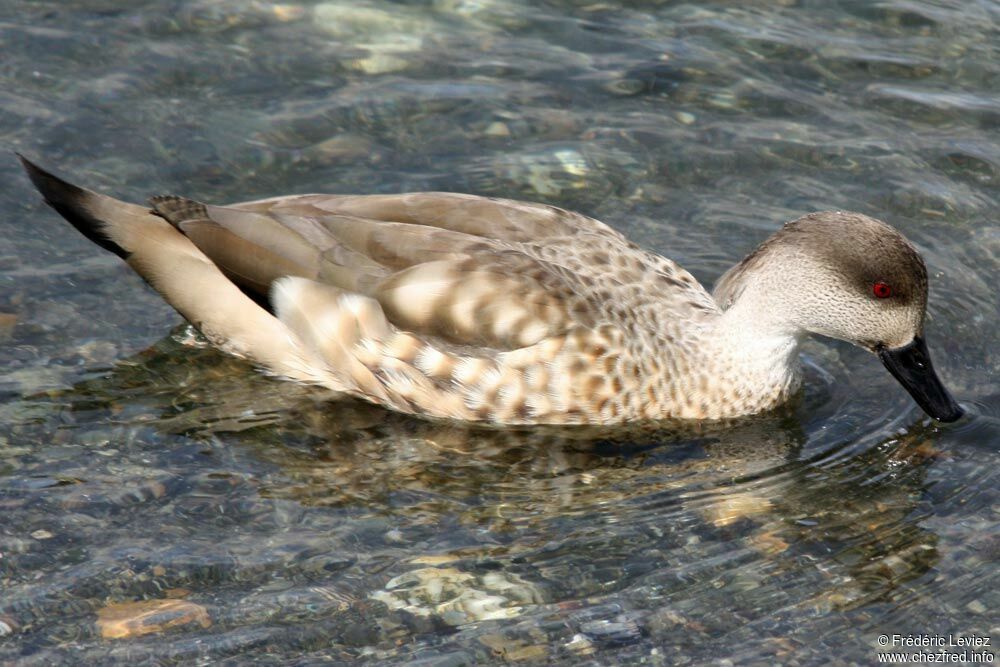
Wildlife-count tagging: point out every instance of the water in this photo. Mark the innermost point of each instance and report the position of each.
(254, 521)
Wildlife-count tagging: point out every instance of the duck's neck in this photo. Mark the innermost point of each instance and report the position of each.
(759, 351)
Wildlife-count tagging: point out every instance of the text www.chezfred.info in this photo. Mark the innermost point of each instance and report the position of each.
(953, 649)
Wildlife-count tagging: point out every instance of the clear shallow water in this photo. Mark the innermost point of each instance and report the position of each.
(276, 527)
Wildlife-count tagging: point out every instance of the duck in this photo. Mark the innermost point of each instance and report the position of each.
(478, 309)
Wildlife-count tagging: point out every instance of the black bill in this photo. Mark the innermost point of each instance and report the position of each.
(911, 365)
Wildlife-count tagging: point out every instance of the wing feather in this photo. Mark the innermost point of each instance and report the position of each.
(460, 268)
(503, 219)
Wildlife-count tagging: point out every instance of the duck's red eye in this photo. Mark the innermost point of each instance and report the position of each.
(881, 290)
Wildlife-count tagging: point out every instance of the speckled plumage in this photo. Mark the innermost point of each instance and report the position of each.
(462, 307)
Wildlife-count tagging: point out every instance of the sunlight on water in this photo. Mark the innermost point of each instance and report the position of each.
(164, 502)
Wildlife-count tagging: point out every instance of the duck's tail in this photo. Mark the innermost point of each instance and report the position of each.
(182, 274)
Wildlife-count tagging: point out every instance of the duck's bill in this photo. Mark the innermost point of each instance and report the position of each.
(911, 365)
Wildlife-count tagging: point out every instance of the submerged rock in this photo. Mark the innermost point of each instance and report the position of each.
(121, 620)
(458, 597)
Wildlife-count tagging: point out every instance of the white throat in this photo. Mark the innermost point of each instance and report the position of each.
(760, 350)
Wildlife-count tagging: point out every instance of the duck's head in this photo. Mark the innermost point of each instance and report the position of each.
(850, 277)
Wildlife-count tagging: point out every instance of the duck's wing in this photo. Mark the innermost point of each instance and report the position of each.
(456, 267)
(438, 313)
(487, 217)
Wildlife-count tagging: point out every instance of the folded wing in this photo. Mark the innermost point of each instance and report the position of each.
(454, 267)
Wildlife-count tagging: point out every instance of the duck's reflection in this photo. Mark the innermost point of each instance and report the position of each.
(742, 513)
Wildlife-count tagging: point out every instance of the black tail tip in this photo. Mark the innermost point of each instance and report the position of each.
(33, 170)
(71, 202)
(54, 189)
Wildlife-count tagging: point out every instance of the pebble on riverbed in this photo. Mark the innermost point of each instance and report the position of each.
(121, 620)
(390, 37)
(7, 322)
(729, 508)
(458, 597)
